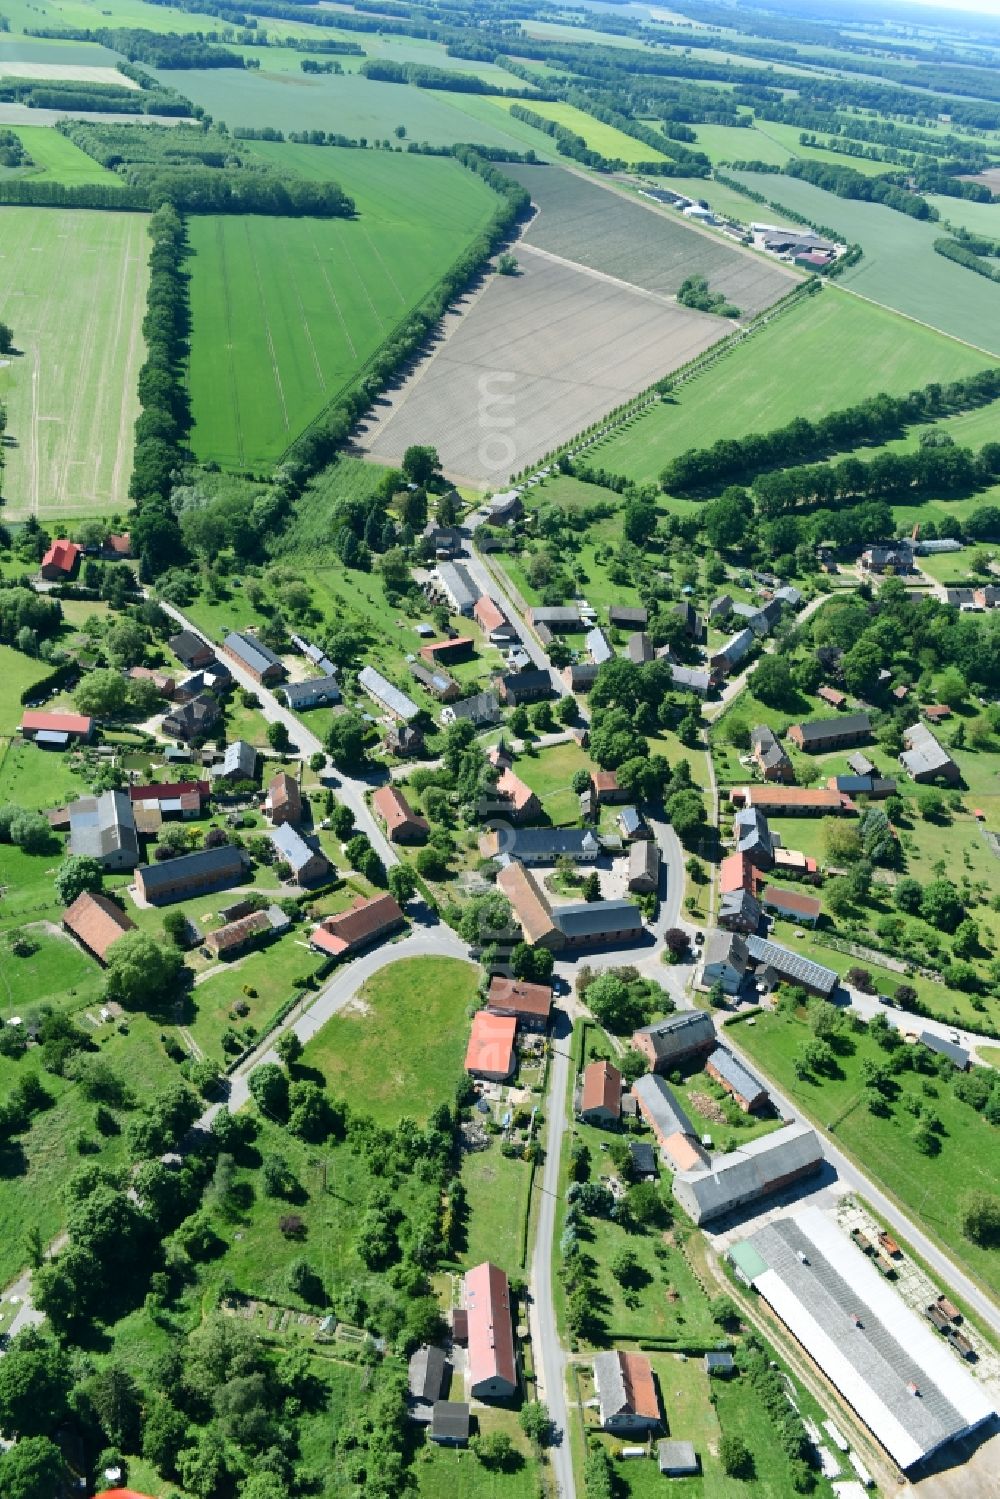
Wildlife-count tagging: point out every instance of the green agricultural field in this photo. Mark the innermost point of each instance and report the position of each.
(899, 268)
(287, 311)
(773, 143)
(929, 1187)
(357, 106)
(402, 1038)
(823, 353)
(73, 288)
(605, 139)
(978, 218)
(57, 159)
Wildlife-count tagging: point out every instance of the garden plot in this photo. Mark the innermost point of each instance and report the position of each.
(535, 358)
(644, 245)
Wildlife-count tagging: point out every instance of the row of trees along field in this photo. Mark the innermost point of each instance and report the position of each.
(197, 171)
(161, 454)
(876, 419)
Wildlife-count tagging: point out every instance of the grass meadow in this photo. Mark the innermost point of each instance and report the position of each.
(823, 353)
(17, 672)
(398, 1046)
(56, 159)
(605, 139)
(899, 268)
(73, 288)
(287, 311)
(930, 1187)
(773, 143)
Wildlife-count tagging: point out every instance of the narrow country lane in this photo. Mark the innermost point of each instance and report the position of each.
(550, 1357)
(350, 791)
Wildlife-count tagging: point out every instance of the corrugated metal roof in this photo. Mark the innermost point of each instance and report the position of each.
(865, 1338)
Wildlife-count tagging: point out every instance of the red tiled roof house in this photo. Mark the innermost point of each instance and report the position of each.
(96, 923)
(61, 560)
(402, 824)
(601, 1093)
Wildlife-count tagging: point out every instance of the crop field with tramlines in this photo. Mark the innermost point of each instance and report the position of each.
(285, 312)
(73, 288)
(634, 241)
(804, 362)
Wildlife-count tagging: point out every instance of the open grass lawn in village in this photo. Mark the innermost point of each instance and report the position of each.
(57, 973)
(444, 1474)
(805, 362)
(73, 288)
(549, 772)
(272, 976)
(398, 1046)
(286, 311)
(929, 1187)
(17, 672)
(497, 1193)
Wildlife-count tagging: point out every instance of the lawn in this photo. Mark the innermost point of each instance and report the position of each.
(58, 972)
(272, 973)
(18, 672)
(286, 312)
(497, 1195)
(929, 1187)
(444, 1474)
(73, 288)
(774, 375)
(549, 772)
(398, 1046)
(899, 268)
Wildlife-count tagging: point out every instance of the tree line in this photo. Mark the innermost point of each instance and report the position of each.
(954, 249)
(158, 49)
(876, 419)
(845, 182)
(421, 75)
(165, 419)
(940, 467)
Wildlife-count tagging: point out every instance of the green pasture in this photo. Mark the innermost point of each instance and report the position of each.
(900, 268)
(73, 288)
(441, 1473)
(17, 672)
(929, 1187)
(398, 1047)
(978, 218)
(606, 139)
(286, 312)
(823, 353)
(56, 159)
(57, 971)
(773, 143)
